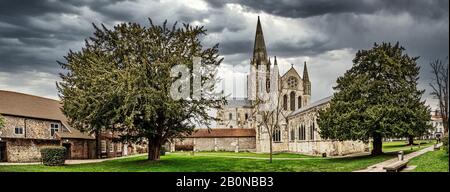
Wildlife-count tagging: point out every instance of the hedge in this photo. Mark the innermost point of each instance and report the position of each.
(53, 155)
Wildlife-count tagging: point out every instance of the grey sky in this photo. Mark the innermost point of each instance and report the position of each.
(325, 33)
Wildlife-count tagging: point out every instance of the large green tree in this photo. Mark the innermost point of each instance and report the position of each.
(376, 98)
(2, 122)
(121, 81)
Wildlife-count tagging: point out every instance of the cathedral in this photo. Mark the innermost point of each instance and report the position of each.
(237, 126)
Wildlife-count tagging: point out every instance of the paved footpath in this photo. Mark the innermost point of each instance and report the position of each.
(77, 161)
(379, 166)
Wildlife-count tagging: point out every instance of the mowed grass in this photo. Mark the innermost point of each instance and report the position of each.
(433, 161)
(229, 162)
(403, 146)
(188, 163)
(248, 154)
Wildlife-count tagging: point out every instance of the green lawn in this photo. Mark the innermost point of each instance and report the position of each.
(248, 154)
(188, 163)
(433, 161)
(403, 146)
(223, 162)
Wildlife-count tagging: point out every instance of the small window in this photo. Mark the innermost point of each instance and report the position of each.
(18, 130)
(111, 147)
(246, 116)
(54, 127)
(103, 146)
(230, 116)
(119, 147)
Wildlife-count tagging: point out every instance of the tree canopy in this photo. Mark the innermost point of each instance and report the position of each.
(376, 98)
(121, 81)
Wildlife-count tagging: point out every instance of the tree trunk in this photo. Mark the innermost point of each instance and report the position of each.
(98, 152)
(154, 148)
(270, 149)
(377, 144)
(411, 140)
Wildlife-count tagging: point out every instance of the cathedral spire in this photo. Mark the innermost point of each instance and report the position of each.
(305, 73)
(259, 49)
(275, 62)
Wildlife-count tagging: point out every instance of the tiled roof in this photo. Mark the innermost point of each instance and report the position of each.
(24, 105)
(312, 105)
(227, 132)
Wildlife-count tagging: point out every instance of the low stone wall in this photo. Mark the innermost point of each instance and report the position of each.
(331, 148)
(219, 144)
(26, 150)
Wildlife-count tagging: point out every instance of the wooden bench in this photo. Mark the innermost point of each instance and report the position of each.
(396, 167)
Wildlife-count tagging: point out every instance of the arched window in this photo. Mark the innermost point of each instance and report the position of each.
(311, 131)
(230, 116)
(246, 116)
(285, 102)
(299, 102)
(292, 101)
(301, 133)
(276, 137)
(292, 134)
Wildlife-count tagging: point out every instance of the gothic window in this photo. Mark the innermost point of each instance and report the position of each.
(292, 100)
(230, 116)
(246, 116)
(285, 102)
(292, 82)
(302, 133)
(299, 102)
(311, 131)
(268, 85)
(276, 137)
(292, 134)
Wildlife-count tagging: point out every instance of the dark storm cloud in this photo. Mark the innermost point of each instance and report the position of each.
(308, 8)
(34, 34)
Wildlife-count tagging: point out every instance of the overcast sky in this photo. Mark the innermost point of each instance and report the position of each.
(324, 33)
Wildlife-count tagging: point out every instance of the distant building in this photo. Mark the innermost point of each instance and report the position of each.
(33, 122)
(438, 125)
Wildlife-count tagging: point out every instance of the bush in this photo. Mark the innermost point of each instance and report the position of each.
(445, 142)
(53, 155)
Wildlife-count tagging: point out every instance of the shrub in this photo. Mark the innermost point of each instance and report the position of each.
(53, 155)
(445, 142)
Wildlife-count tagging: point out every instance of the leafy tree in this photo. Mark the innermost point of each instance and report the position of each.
(376, 98)
(2, 122)
(121, 81)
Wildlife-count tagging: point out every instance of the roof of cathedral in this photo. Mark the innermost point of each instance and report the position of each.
(243, 102)
(226, 132)
(311, 105)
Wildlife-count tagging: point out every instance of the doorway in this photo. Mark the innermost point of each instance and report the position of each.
(3, 152)
(68, 147)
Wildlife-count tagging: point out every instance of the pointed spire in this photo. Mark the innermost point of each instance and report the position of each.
(259, 49)
(275, 62)
(305, 73)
